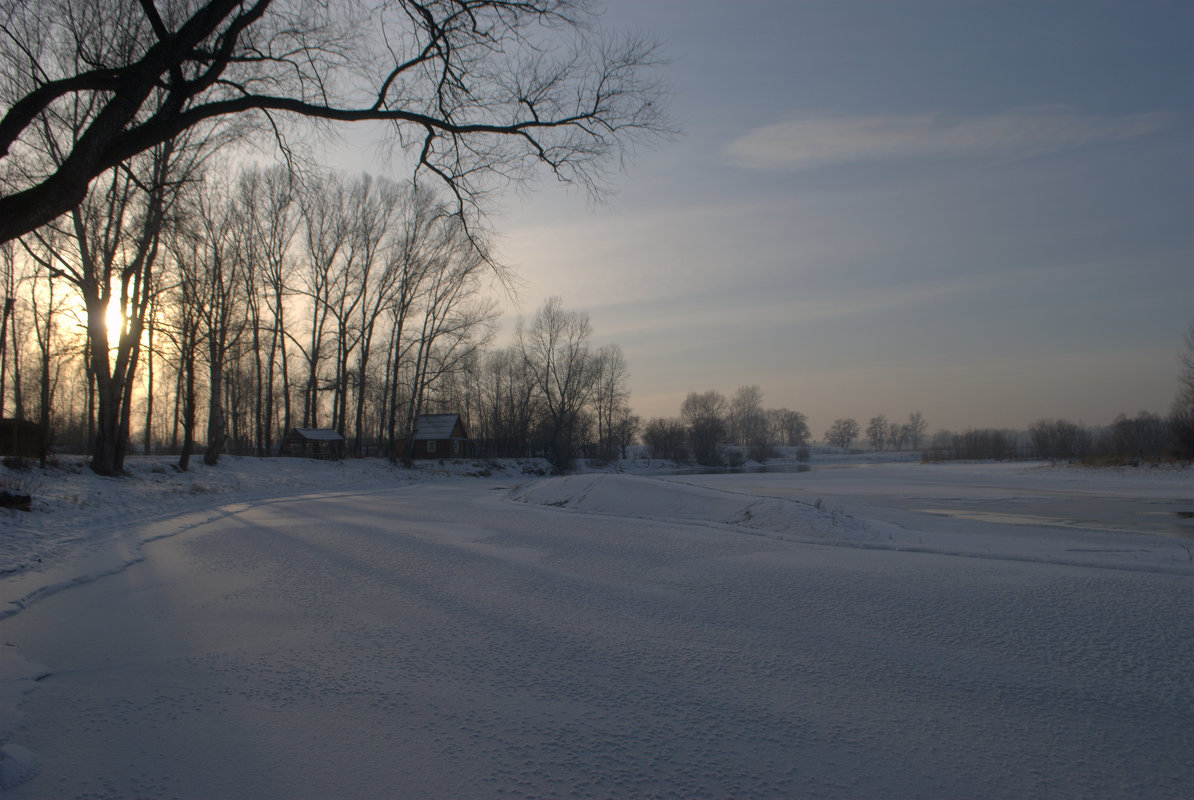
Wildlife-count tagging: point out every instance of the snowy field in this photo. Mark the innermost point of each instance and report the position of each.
(287, 628)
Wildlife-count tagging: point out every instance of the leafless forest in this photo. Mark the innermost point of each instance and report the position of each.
(159, 291)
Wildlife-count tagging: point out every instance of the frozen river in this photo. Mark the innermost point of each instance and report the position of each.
(614, 636)
(1131, 501)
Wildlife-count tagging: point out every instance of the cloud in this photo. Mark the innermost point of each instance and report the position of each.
(812, 142)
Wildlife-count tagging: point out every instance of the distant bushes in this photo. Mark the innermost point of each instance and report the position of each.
(1144, 438)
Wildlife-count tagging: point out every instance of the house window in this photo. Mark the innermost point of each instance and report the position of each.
(456, 447)
(431, 445)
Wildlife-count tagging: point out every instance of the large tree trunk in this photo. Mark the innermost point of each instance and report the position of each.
(107, 458)
(177, 410)
(9, 308)
(17, 393)
(149, 389)
(287, 413)
(188, 404)
(258, 403)
(108, 455)
(216, 429)
(44, 411)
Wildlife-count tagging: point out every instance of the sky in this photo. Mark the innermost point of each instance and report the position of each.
(981, 211)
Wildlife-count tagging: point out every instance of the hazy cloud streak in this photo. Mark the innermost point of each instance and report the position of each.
(812, 142)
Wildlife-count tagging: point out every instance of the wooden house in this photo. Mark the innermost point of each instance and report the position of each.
(314, 443)
(439, 436)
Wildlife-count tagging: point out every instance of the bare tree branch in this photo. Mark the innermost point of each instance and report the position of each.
(483, 91)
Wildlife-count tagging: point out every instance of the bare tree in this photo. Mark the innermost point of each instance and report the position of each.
(666, 438)
(45, 308)
(747, 422)
(508, 403)
(271, 208)
(454, 322)
(794, 427)
(626, 428)
(115, 238)
(222, 291)
(426, 242)
(376, 206)
(185, 327)
(8, 320)
(555, 347)
(842, 433)
(916, 427)
(876, 432)
(1181, 413)
(705, 415)
(325, 223)
(267, 221)
(479, 90)
(610, 400)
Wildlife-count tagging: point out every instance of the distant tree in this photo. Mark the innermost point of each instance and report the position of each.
(916, 428)
(665, 438)
(610, 399)
(745, 417)
(555, 348)
(626, 429)
(504, 397)
(897, 434)
(842, 433)
(705, 416)
(796, 430)
(876, 432)
(1181, 414)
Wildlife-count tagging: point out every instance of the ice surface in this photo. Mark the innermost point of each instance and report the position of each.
(350, 630)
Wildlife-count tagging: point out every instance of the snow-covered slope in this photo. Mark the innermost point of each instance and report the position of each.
(83, 526)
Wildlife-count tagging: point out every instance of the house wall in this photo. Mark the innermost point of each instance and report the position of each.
(439, 448)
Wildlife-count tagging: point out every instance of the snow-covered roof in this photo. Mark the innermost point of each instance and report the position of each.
(436, 426)
(319, 434)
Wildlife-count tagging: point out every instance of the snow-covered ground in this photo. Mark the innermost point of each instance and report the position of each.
(287, 628)
(83, 525)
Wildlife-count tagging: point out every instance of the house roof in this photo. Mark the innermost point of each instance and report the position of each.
(436, 426)
(319, 434)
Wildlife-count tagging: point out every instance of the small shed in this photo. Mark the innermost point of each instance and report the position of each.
(439, 436)
(314, 443)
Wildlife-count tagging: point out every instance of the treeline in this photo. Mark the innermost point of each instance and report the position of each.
(183, 306)
(1147, 437)
(713, 430)
(550, 393)
(881, 434)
